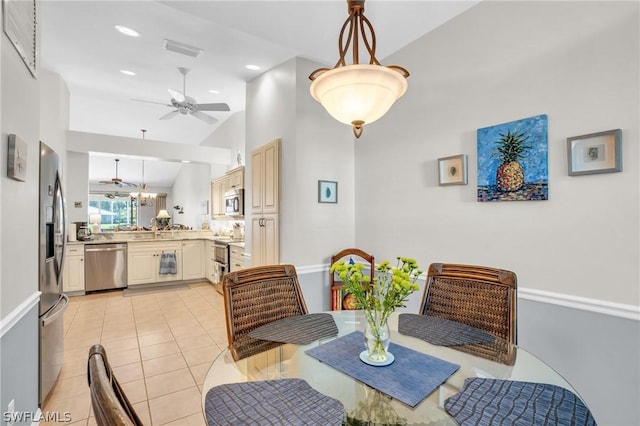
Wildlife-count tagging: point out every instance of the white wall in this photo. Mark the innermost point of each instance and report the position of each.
(583, 73)
(192, 185)
(313, 147)
(231, 135)
(498, 62)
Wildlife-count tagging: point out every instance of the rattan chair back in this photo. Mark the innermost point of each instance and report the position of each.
(110, 405)
(479, 296)
(257, 296)
(335, 285)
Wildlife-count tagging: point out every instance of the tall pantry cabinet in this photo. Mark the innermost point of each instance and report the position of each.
(265, 200)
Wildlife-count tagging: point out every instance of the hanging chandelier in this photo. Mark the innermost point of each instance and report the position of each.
(145, 198)
(358, 94)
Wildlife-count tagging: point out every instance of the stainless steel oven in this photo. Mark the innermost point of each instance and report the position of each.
(221, 258)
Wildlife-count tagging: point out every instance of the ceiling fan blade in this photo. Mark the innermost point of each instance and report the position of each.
(129, 184)
(213, 107)
(170, 115)
(178, 96)
(204, 117)
(151, 102)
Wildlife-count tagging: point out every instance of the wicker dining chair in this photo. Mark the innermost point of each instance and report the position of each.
(337, 298)
(257, 296)
(110, 405)
(479, 296)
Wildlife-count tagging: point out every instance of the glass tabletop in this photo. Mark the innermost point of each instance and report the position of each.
(500, 360)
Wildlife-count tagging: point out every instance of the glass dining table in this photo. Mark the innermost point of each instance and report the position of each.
(362, 403)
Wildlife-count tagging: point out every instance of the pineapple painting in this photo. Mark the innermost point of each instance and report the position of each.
(511, 148)
(512, 161)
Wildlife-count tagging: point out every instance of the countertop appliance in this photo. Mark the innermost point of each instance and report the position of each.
(52, 240)
(105, 266)
(234, 203)
(83, 233)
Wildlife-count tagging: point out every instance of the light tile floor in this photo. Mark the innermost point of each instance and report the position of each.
(160, 345)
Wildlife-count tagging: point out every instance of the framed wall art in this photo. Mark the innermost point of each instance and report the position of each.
(595, 153)
(17, 159)
(20, 26)
(512, 161)
(452, 170)
(327, 191)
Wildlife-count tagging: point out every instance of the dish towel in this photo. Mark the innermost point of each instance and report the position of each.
(168, 263)
(271, 402)
(490, 402)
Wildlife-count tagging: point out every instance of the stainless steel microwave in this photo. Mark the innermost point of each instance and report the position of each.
(234, 202)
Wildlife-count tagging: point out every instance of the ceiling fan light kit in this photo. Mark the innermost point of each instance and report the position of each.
(358, 94)
(184, 104)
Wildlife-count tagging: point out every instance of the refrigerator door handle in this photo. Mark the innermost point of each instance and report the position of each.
(56, 311)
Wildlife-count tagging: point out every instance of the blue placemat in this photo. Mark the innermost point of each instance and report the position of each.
(440, 331)
(300, 330)
(411, 377)
(491, 402)
(271, 402)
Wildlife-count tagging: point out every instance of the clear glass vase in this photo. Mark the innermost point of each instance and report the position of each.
(377, 337)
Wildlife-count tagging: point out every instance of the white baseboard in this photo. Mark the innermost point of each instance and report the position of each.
(620, 310)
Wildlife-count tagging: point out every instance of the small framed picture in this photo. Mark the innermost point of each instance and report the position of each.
(452, 170)
(327, 191)
(204, 207)
(595, 153)
(17, 159)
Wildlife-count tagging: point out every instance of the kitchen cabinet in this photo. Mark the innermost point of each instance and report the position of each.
(233, 179)
(236, 259)
(193, 260)
(265, 204)
(265, 245)
(218, 188)
(73, 272)
(143, 262)
(265, 178)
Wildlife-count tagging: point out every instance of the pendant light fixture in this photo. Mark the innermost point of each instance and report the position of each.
(144, 196)
(358, 94)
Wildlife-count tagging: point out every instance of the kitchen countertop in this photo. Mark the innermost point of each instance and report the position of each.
(148, 236)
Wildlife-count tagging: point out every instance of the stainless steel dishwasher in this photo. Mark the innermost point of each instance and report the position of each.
(105, 266)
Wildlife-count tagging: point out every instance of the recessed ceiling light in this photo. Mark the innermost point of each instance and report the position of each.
(127, 31)
(127, 72)
(252, 67)
(215, 92)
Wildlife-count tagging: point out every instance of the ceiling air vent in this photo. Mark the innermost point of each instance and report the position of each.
(184, 49)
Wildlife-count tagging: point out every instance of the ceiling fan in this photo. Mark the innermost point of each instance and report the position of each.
(184, 104)
(116, 194)
(116, 180)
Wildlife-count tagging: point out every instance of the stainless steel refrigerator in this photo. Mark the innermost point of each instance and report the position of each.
(53, 302)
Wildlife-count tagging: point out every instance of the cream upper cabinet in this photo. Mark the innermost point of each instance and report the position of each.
(218, 188)
(73, 272)
(265, 178)
(235, 178)
(265, 204)
(193, 260)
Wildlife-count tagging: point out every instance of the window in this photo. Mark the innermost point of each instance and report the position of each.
(116, 210)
